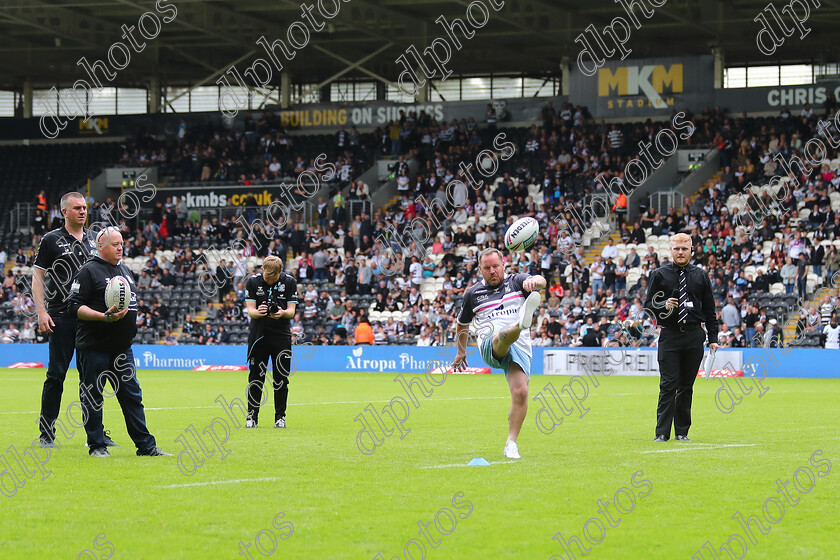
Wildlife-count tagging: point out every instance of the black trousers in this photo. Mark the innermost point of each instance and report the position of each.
(279, 350)
(680, 354)
(62, 345)
(118, 369)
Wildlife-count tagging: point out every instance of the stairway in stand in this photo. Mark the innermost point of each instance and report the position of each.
(713, 180)
(199, 317)
(595, 248)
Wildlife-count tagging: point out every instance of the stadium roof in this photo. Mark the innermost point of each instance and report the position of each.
(42, 41)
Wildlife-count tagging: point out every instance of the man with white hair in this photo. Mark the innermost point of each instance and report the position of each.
(632, 260)
(774, 337)
(103, 347)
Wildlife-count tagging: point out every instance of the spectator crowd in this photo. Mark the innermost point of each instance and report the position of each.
(344, 263)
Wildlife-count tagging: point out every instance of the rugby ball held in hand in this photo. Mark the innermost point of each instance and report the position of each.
(118, 292)
(521, 234)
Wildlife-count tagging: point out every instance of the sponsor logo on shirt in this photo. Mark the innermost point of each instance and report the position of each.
(64, 246)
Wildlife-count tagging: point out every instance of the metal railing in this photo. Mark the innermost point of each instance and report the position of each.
(356, 207)
(22, 216)
(663, 201)
(600, 205)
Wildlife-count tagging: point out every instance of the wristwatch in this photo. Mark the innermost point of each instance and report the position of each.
(108, 316)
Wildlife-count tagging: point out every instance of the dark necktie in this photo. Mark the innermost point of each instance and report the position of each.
(682, 316)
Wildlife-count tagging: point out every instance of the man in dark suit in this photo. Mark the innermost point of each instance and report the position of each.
(638, 234)
(593, 336)
(680, 297)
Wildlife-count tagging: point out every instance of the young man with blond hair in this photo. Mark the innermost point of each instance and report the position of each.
(680, 297)
(271, 301)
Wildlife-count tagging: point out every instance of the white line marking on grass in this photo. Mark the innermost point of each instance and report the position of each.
(430, 400)
(466, 465)
(290, 404)
(117, 409)
(214, 482)
(692, 446)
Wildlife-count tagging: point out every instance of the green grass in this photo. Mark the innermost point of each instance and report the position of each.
(344, 504)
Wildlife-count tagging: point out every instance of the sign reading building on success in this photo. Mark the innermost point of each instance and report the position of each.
(360, 116)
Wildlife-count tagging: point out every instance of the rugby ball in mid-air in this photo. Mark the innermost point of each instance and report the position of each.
(118, 292)
(521, 234)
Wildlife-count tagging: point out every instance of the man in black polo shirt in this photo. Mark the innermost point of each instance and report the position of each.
(680, 297)
(61, 254)
(103, 347)
(271, 302)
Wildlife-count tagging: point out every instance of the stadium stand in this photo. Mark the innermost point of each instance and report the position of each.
(340, 263)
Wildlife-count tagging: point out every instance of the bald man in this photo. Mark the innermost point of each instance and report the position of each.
(103, 347)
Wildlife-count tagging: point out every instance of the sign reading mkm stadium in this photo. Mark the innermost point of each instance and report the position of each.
(644, 87)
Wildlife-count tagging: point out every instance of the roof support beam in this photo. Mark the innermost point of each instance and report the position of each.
(212, 76)
(50, 30)
(350, 66)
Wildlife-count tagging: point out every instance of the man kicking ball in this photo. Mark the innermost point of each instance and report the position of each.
(503, 309)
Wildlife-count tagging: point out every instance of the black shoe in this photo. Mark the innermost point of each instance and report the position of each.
(46, 443)
(99, 452)
(108, 441)
(154, 452)
(683, 438)
(660, 438)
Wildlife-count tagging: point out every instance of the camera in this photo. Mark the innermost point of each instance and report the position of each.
(273, 308)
